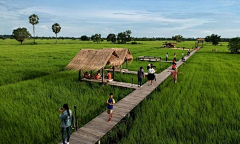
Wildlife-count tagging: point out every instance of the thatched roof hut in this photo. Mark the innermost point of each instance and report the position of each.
(123, 53)
(89, 59)
(170, 45)
(200, 39)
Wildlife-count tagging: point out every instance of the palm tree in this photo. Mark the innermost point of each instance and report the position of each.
(33, 19)
(56, 29)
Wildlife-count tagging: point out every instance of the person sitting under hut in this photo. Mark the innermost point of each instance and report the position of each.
(109, 76)
(86, 75)
(98, 76)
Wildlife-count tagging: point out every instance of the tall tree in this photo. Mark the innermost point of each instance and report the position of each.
(56, 29)
(96, 38)
(20, 34)
(208, 39)
(124, 37)
(112, 37)
(177, 38)
(234, 45)
(33, 19)
(84, 38)
(214, 39)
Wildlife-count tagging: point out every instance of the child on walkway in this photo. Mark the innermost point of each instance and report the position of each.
(110, 103)
(174, 75)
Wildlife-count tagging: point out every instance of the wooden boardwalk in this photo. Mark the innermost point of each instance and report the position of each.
(94, 130)
(125, 71)
(113, 83)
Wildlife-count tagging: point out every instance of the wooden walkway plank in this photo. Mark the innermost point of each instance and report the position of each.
(94, 130)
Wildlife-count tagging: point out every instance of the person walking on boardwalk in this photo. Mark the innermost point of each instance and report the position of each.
(110, 103)
(174, 75)
(151, 75)
(175, 56)
(66, 119)
(166, 57)
(188, 53)
(141, 76)
(183, 57)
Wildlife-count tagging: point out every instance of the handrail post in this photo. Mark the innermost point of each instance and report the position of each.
(132, 81)
(76, 123)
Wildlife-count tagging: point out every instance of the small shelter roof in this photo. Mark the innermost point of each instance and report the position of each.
(170, 44)
(123, 53)
(200, 39)
(91, 59)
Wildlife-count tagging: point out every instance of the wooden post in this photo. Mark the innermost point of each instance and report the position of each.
(79, 75)
(160, 64)
(121, 68)
(113, 72)
(76, 123)
(132, 82)
(102, 75)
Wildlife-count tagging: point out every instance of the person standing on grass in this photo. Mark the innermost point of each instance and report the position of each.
(174, 75)
(151, 75)
(110, 103)
(66, 118)
(141, 76)
(166, 56)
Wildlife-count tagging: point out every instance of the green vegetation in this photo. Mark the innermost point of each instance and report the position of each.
(34, 84)
(21, 34)
(214, 39)
(56, 28)
(234, 45)
(33, 19)
(203, 107)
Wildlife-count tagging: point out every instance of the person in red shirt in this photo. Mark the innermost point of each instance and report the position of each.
(109, 75)
(86, 75)
(174, 66)
(98, 76)
(174, 75)
(174, 61)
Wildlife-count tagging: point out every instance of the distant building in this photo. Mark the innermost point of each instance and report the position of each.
(170, 45)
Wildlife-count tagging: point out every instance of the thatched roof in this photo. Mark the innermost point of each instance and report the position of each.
(200, 39)
(89, 59)
(123, 53)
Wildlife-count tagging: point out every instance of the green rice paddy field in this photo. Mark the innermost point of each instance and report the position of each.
(203, 107)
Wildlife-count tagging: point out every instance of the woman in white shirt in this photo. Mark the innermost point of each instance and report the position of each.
(151, 75)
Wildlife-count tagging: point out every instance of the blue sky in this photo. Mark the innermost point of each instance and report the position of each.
(145, 18)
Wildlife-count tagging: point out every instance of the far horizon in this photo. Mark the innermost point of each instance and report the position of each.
(191, 19)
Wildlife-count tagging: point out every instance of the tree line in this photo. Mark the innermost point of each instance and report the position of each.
(20, 34)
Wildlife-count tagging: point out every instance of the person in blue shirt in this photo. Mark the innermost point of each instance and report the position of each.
(66, 119)
(110, 103)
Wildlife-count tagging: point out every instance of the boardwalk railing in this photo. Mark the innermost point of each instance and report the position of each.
(94, 130)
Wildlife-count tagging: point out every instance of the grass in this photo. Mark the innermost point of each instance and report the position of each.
(34, 84)
(23, 62)
(203, 107)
